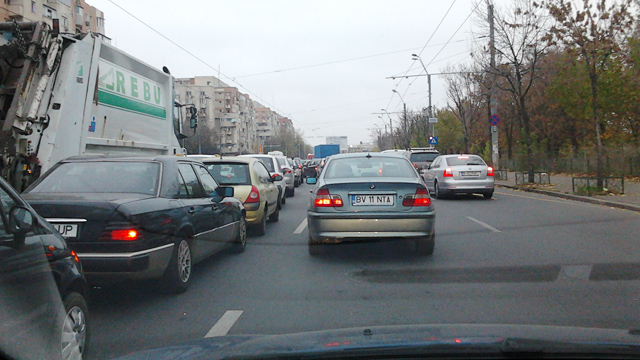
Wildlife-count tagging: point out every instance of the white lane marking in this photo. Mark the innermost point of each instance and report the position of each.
(575, 272)
(226, 322)
(485, 225)
(301, 227)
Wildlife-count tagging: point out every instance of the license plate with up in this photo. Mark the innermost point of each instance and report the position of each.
(368, 200)
(67, 230)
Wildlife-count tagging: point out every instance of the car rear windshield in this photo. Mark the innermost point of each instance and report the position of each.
(268, 162)
(230, 173)
(102, 177)
(465, 160)
(373, 167)
(423, 157)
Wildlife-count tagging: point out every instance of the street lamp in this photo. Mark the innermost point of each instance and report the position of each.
(404, 116)
(417, 57)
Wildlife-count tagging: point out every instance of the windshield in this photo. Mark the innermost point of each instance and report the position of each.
(230, 173)
(423, 157)
(467, 164)
(465, 160)
(102, 177)
(367, 168)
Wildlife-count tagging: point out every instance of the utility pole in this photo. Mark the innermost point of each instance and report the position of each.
(495, 155)
(406, 131)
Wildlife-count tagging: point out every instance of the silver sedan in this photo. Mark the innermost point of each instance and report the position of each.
(370, 196)
(459, 174)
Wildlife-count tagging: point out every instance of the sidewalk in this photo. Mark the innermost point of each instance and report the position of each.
(561, 186)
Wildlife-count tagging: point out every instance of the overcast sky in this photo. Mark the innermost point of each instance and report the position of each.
(324, 64)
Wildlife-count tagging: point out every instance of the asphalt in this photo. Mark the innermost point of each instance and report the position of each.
(561, 186)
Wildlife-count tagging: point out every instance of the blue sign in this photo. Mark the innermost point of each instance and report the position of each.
(433, 140)
(495, 119)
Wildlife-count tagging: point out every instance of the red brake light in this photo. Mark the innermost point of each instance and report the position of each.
(75, 256)
(448, 172)
(489, 171)
(288, 171)
(324, 199)
(420, 198)
(254, 196)
(125, 235)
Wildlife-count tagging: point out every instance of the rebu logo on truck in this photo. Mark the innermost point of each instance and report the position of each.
(124, 90)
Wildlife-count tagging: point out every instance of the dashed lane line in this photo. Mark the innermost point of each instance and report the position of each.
(224, 324)
(483, 224)
(301, 227)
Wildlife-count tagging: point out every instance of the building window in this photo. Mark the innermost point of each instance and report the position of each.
(33, 7)
(100, 22)
(49, 12)
(65, 23)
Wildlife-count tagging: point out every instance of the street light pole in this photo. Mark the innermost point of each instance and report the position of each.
(404, 116)
(417, 57)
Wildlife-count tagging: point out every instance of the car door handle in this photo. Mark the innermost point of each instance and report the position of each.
(191, 211)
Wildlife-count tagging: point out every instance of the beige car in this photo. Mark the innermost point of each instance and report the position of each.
(253, 185)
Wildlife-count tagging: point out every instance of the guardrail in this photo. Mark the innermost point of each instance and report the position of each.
(539, 177)
(589, 185)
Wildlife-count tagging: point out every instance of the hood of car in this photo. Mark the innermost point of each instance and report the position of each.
(410, 340)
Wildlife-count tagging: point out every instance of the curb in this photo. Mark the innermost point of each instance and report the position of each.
(614, 204)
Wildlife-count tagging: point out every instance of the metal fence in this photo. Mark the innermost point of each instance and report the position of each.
(589, 185)
(500, 175)
(539, 177)
(614, 164)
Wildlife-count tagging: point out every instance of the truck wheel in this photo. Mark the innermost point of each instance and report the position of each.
(75, 328)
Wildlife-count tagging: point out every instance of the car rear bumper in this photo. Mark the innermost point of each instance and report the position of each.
(255, 217)
(144, 264)
(467, 186)
(354, 227)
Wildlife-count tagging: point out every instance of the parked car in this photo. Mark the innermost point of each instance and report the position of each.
(252, 184)
(140, 217)
(370, 196)
(43, 291)
(273, 166)
(421, 158)
(459, 174)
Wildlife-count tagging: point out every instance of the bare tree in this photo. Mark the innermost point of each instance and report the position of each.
(462, 91)
(594, 35)
(519, 31)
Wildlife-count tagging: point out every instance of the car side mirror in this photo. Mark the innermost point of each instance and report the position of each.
(275, 177)
(21, 221)
(225, 191)
(311, 180)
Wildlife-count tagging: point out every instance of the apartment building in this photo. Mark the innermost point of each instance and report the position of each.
(231, 117)
(75, 16)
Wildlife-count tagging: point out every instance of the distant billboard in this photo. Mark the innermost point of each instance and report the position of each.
(340, 140)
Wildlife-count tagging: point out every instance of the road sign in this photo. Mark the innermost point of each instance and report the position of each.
(433, 140)
(495, 119)
(433, 120)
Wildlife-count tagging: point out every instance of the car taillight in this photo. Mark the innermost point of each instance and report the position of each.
(288, 171)
(448, 172)
(75, 256)
(415, 165)
(254, 196)
(420, 198)
(324, 199)
(489, 171)
(125, 235)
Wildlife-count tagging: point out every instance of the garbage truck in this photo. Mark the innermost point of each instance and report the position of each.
(65, 95)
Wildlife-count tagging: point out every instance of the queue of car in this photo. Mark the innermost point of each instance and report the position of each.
(101, 219)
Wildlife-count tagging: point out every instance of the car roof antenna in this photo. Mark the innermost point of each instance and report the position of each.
(368, 156)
